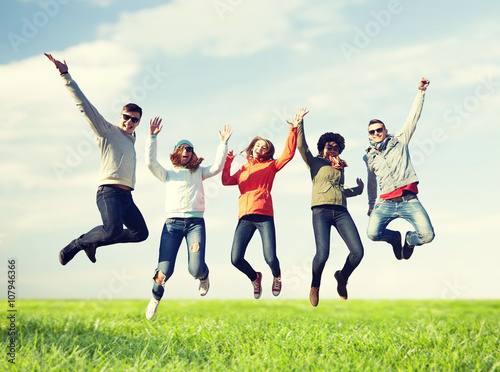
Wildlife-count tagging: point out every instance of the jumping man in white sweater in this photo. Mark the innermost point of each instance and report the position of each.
(116, 179)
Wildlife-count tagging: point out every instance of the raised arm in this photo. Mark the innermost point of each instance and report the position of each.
(410, 124)
(220, 155)
(152, 163)
(355, 191)
(291, 141)
(97, 122)
(227, 179)
(302, 146)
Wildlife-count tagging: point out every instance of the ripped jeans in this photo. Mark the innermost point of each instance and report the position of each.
(174, 230)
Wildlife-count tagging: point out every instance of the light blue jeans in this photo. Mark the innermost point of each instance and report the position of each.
(174, 231)
(411, 210)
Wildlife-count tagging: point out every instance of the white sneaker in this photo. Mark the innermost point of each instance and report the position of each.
(204, 286)
(151, 309)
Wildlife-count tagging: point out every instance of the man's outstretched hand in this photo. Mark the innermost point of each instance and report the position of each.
(423, 84)
(62, 67)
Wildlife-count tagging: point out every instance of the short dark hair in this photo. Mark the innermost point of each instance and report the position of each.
(376, 121)
(331, 137)
(132, 107)
(268, 155)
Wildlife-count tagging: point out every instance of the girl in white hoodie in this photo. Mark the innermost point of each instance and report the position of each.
(184, 206)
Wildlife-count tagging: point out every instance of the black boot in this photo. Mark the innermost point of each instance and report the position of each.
(68, 252)
(341, 285)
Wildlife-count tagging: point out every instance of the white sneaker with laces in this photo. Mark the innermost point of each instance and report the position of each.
(204, 286)
(151, 309)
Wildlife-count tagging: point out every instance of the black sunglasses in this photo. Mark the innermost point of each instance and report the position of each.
(330, 147)
(187, 148)
(378, 130)
(128, 117)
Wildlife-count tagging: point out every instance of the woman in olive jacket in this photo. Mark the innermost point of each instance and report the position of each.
(329, 208)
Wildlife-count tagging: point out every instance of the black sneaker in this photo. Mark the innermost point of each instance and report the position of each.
(91, 254)
(407, 249)
(397, 248)
(67, 253)
(341, 285)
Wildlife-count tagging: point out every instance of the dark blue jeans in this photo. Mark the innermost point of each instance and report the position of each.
(174, 230)
(117, 209)
(323, 218)
(242, 236)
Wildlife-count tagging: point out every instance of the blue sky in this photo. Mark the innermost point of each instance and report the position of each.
(250, 64)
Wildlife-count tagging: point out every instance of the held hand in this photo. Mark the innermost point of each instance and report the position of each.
(423, 84)
(62, 67)
(155, 126)
(298, 117)
(230, 153)
(226, 133)
(359, 181)
(369, 211)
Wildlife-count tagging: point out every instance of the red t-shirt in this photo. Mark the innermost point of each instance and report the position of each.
(398, 192)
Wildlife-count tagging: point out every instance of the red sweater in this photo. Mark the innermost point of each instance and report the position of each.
(255, 179)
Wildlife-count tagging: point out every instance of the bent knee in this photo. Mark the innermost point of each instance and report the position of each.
(427, 238)
(374, 237)
(142, 235)
(159, 278)
(236, 261)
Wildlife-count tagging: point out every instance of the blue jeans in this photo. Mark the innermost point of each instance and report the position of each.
(117, 209)
(411, 210)
(242, 236)
(323, 218)
(174, 230)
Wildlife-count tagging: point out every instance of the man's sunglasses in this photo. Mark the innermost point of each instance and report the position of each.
(128, 117)
(330, 148)
(378, 130)
(187, 148)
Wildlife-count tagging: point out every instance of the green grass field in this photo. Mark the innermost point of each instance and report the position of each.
(250, 335)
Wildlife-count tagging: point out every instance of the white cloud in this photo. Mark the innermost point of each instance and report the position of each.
(184, 27)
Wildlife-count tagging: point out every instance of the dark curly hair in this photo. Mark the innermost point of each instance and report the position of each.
(331, 137)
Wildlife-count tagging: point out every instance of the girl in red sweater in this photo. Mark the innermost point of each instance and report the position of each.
(255, 181)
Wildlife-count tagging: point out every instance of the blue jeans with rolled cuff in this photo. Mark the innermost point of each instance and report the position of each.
(409, 209)
(174, 231)
(242, 236)
(117, 208)
(323, 218)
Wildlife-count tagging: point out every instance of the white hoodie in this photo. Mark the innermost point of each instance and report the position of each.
(184, 189)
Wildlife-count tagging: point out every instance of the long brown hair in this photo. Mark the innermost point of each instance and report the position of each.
(268, 155)
(176, 158)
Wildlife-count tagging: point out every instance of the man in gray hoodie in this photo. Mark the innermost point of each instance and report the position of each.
(388, 158)
(116, 179)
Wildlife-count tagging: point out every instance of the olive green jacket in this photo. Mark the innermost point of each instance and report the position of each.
(328, 182)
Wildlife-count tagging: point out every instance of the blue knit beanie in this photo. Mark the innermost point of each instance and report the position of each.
(183, 141)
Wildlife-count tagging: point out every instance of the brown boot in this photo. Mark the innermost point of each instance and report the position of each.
(314, 296)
